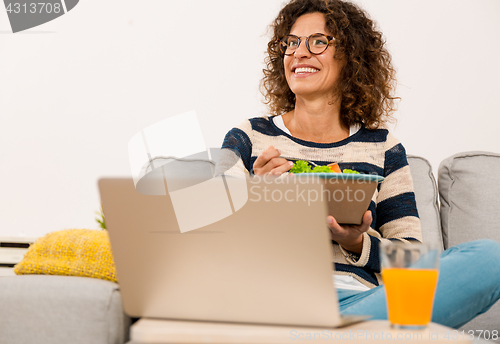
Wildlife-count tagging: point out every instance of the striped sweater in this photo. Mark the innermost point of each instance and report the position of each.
(393, 205)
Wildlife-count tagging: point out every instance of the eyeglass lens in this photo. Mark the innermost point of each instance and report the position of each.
(315, 43)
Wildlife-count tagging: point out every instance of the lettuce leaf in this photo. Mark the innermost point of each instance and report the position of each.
(320, 169)
(302, 166)
(346, 170)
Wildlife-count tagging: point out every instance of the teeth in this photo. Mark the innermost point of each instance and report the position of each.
(306, 70)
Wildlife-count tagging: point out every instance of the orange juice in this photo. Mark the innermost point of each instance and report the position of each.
(410, 294)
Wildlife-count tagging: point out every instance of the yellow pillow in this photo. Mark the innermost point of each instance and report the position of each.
(71, 252)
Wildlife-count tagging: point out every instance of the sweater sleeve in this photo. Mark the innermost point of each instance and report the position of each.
(396, 215)
(236, 152)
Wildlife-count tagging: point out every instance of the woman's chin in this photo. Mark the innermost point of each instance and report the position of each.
(309, 94)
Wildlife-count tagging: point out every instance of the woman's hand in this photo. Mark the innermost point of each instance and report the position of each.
(350, 237)
(269, 162)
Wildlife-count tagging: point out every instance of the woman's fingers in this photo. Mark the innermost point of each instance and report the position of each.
(335, 229)
(275, 166)
(265, 156)
(283, 166)
(367, 219)
(349, 232)
(269, 166)
(333, 224)
(270, 162)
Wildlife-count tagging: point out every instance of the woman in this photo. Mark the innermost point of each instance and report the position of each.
(329, 85)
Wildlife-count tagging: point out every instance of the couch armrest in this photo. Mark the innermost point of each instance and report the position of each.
(426, 196)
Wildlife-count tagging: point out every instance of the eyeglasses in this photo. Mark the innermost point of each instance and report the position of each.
(315, 43)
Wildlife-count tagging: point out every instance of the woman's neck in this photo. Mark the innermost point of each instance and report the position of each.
(317, 121)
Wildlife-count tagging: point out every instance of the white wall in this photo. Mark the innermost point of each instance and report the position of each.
(75, 90)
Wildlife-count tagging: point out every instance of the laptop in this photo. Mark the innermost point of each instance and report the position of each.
(268, 260)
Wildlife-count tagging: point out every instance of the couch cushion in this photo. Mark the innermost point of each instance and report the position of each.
(426, 195)
(469, 189)
(60, 310)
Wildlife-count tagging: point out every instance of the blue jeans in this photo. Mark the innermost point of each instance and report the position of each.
(468, 285)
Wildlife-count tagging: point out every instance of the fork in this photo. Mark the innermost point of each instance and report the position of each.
(312, 163)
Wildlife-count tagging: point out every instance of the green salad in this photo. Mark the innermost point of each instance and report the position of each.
(302, 166)
(346, 170)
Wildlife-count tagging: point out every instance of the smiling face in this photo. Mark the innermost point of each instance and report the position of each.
(312, 76)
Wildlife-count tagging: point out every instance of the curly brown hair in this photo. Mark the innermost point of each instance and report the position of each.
(367, 80)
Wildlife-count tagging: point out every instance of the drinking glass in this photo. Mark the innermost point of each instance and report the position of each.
(410, 274)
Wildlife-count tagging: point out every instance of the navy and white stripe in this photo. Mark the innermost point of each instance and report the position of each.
(394, 209)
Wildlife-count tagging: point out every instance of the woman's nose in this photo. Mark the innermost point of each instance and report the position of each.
(302, 50)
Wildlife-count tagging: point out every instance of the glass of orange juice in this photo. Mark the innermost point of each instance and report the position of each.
(410, 274)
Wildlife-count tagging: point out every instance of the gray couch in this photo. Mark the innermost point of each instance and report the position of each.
(61, 310)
